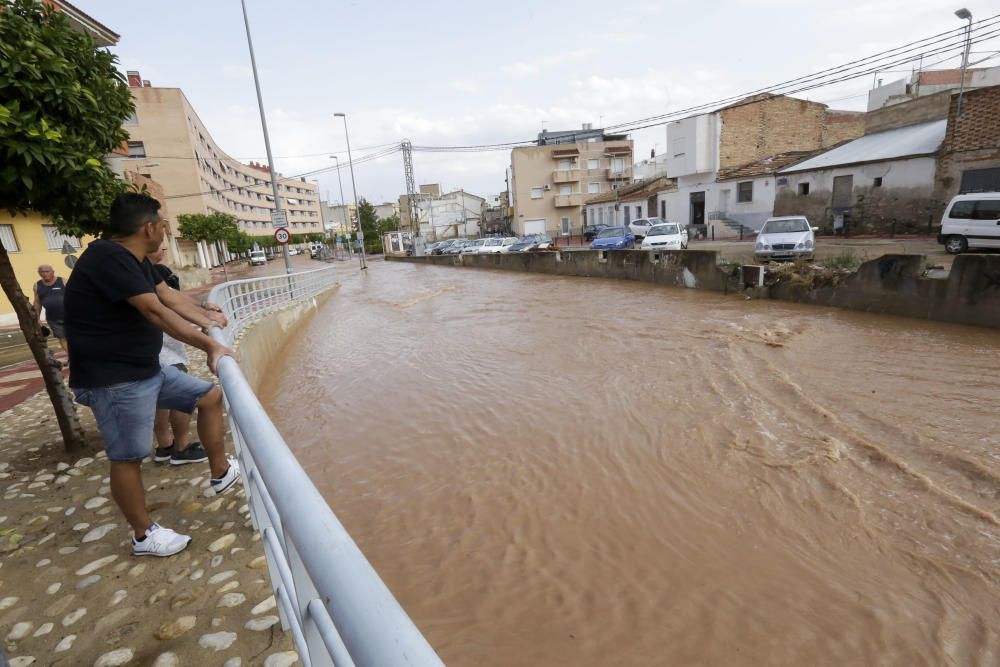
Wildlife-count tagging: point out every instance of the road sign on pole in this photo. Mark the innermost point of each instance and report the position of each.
(282, 236)
(279, 219)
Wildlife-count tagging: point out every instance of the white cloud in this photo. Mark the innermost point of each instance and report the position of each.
(466, 86)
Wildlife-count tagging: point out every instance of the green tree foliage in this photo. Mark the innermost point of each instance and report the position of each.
(62, 104)
(239, 243)
(370, 227)
(211, 227)
(389, 224)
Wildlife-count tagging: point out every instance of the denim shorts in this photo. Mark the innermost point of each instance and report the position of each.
(125, 411)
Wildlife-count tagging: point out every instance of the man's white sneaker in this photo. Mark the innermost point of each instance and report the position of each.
(228, 481)
(160, 542)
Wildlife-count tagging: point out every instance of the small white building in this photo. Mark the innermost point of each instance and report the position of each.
(878, 182)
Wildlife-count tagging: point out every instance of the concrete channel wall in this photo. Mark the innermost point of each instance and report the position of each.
(264, 339)
(891, 284)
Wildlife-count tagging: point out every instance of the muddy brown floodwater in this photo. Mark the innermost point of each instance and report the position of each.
(564, 471)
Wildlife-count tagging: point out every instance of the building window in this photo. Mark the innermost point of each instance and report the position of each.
(663, 210)
(594, 163)
(600, 216)
(564, 222)
(8, 239)
(878, 182)
(565, 189)
(136, 149)
(618, 165)
(744, 191)
(803, 189)
(565, 165)
(594, 188)
(628, 218)
(55, 240)
(536, 192)
(133, 119)
(638, 212)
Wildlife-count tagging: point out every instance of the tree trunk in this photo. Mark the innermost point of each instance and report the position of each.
(220, 248)
(69, 423)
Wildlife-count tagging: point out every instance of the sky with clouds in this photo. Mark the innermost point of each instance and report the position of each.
(445, 73)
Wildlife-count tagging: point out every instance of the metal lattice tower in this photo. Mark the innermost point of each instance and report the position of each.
(411, 188)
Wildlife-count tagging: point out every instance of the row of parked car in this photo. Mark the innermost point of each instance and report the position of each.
(490, 245)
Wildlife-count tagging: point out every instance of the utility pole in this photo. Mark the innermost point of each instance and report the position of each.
(965, 15)
(263, 125)
(411, 188)
(354, 187)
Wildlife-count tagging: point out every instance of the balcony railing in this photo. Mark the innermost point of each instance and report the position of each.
(562, 201)
(566, 175)
(338, 609)
(619, 174)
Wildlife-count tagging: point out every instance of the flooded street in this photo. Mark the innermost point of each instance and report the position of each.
(563, 471)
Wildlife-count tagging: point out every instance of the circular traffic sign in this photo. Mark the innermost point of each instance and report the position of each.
(282, 235)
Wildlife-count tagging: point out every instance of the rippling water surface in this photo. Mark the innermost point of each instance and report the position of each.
(563, 471)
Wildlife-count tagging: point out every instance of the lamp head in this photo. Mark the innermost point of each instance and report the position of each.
(964, 14)
(340, 115)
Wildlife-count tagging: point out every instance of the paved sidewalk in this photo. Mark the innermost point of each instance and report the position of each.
(71, 593)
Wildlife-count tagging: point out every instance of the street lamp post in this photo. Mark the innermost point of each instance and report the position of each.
(354, 188)
(340, 182)
(966, 15)
(263, 124)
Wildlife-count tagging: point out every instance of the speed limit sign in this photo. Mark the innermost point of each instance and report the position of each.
(282, 236)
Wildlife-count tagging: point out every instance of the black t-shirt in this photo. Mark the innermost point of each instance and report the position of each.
(109, 341)
(169, 277)
(51, 298)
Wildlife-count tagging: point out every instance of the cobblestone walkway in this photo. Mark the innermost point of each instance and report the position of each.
(71, 593)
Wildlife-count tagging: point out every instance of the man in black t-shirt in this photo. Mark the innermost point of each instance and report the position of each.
(117, 309)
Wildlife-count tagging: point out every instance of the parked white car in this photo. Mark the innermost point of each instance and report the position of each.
(789, 237)
(492, 246)
(640, 227)
(257, 258)
(971, 221)
(506, 243)
(666, 236)
(474, 247)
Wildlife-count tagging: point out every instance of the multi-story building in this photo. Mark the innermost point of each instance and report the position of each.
(756, 130)
(168, 140)
(550, 180)
(338, 218)
(929, 82)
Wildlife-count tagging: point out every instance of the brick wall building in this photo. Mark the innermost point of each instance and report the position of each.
(765, 125)
(970, 157)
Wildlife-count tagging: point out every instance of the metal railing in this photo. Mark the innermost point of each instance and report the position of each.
(338, 609)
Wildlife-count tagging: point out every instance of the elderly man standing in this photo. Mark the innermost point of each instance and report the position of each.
(49, 292)
(117, 309)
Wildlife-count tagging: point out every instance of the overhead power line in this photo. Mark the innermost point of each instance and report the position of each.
(934, 45)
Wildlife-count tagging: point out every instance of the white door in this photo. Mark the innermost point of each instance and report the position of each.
(534, 226)
(984, 228)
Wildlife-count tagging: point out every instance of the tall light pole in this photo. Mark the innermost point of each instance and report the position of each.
(357, 209)
(966, 15)
(340, 182)
(263, 124)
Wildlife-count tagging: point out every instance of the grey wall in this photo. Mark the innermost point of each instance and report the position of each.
(891, 284)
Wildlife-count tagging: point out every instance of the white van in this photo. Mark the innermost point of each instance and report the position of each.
(257, 258)
(971, 221)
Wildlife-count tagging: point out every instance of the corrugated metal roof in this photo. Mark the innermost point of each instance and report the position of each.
(922, 139)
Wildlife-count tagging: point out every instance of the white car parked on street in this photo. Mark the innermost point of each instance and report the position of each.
(666, 236)
(507, 242)
(492, 246)
(640, 227)
(971, 221)
(474, 247)
(789, 237)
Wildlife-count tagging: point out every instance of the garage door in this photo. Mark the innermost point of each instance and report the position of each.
(534, 226)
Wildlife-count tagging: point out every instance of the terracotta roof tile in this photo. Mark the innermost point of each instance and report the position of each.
(768, 165)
